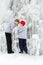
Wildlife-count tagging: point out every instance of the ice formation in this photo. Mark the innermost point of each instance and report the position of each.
(29, 10)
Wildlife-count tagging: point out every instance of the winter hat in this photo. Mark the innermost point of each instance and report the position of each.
(22, 22)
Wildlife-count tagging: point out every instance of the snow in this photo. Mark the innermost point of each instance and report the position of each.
(20, 59)
(32, 12)
(29, 10)
(35, 44)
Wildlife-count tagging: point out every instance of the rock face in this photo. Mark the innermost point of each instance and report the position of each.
(29, 10)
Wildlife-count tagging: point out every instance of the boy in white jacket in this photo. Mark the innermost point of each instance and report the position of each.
(22, 35)
(8, 33)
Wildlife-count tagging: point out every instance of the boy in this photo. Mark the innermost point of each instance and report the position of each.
(22, 35)
(8, 32)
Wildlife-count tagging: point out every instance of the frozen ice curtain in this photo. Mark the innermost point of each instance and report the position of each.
(32, 12)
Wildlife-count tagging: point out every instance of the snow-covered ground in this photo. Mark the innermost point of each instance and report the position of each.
(20, 59)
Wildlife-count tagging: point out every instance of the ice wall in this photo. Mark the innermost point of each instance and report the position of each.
(30, 10)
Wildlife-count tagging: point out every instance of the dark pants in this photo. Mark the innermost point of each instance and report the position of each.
(22, 45)
(9, 42)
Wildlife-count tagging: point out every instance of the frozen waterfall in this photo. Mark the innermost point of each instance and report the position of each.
(32, 12)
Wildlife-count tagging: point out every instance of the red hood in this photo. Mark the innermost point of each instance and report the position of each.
(22, 22)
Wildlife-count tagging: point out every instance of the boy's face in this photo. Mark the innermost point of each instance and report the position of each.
(16, 23)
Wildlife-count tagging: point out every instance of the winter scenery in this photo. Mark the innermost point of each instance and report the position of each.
(32, 12)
